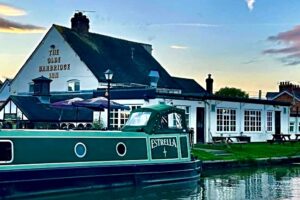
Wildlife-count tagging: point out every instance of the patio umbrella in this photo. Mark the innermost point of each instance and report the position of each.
(67, 104)
(99, 104)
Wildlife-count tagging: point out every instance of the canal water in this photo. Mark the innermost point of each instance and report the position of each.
(248, 183)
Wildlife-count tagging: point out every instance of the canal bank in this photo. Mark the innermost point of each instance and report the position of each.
(259, 162)
(227, 156)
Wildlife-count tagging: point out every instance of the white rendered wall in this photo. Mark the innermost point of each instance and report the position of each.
(191, 104)
(4, 92)
(73, 68)
(260, 136)
(296, 121)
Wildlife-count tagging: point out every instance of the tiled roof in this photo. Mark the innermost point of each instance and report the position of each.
(273, 95)
(190, 86)
(245, 100)
(130, 61)
(36, 111)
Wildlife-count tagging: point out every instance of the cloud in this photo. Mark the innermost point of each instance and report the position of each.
(288, 46)
(178, 47)
(8, 26)
(254, 60)
(250, 4)
(8, 10)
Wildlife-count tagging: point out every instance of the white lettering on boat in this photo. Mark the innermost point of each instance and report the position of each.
(157, 142)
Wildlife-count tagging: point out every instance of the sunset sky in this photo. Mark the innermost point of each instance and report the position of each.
(249, 44)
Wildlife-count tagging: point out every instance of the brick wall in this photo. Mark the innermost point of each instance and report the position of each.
(287, 98)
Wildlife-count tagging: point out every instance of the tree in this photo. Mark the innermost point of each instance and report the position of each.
(232, 92)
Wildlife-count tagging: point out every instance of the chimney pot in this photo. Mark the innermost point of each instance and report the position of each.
(80, 23)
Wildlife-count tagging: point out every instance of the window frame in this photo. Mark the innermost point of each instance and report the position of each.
(119, 117)
(12, 152)
(226, 120)
(292, 125)
(269, 121)
(252, 121)
(187, 112)
(74, 84)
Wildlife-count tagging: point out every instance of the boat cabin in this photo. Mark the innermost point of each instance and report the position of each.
(157, 119)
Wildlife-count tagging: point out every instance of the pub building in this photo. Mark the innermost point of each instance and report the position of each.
(70, 62)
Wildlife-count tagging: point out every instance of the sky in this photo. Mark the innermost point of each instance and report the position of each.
(247, 44)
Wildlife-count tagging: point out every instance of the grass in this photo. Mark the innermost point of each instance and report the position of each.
(250, 151)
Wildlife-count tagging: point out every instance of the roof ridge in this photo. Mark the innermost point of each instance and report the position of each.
(98, 34)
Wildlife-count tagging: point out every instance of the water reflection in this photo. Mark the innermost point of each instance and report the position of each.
(266, 183)
(263, 183)
(188, 190)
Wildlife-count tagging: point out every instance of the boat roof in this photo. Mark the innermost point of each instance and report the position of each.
(154, 123)
(25, 133)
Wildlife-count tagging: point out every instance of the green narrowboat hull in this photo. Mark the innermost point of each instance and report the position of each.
(39, 161)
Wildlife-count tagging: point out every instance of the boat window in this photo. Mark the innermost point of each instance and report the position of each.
(138, 119)
(6, 151)
(121, 149)
(172, 120)
(80, 150)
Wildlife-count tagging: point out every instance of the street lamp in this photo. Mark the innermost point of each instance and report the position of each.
(108, 76)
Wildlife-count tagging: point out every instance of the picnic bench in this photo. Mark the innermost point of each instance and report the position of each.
(297, 136)
(281, 138)
(231, 139)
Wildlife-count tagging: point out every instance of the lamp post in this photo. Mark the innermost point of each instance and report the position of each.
(108, 76)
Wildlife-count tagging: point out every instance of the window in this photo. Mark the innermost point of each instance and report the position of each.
(171, 121)
(252, 120)
(6, 151)
(226, 120)
(73, 85)
(292, 127)
(119, 117)
(31, 87)
(299, 127)
(139, 119)
(187, 114)
(11, 112)
(269, 121)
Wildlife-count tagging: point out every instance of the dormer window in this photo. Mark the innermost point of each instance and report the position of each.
(73, 85)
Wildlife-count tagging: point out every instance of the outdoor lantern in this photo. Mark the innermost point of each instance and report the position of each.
(108, 75)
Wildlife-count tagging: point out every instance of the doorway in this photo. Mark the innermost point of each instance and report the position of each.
(277, 122)
(200, 125)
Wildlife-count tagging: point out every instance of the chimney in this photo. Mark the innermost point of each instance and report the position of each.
(80, 23)
(259, 94)
(154, 77)
(289, 87)
(41, 89)
(209, 84)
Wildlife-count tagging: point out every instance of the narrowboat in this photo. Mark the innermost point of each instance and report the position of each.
(153, 147)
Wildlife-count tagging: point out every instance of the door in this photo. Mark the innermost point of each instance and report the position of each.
(200, 125)
(277, 122)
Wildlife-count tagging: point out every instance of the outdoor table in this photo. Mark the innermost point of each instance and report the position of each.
(243, 138)
(281, 137)
(222, 139)
(286, 137)
(229, 139)
(297, 135)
